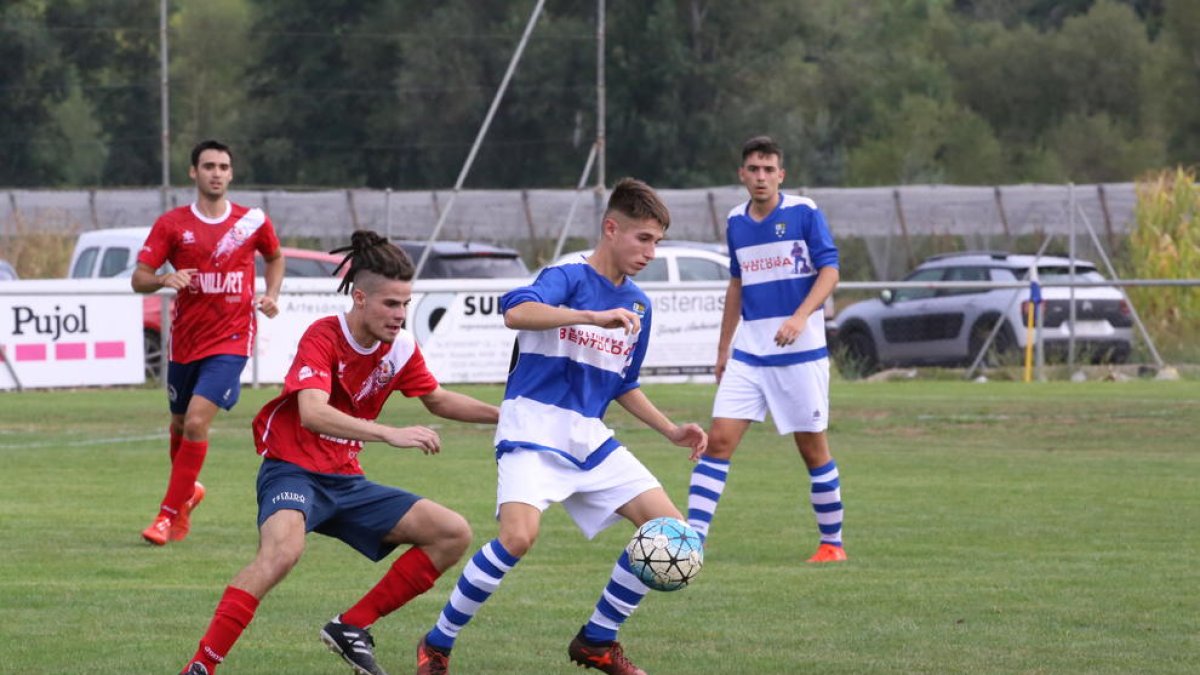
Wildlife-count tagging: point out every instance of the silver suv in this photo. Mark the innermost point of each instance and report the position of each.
(918, 326)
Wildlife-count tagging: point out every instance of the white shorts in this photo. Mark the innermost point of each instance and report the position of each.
(541, 478)
(797, 396)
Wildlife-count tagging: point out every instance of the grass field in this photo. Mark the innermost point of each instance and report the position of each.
(995, 528)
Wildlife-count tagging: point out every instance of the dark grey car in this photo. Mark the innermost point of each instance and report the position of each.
(918, 326)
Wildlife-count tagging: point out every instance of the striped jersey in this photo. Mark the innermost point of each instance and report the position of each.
(777, 260)
(215, 313)
(564, 378)
(359, 381)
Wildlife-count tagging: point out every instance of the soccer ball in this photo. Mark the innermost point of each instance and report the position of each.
(666, 554)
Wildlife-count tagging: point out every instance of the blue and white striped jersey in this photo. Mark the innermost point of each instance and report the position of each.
(564, 378)
(777, 260)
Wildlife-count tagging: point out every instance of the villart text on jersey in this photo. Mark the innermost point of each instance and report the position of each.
(216, 283)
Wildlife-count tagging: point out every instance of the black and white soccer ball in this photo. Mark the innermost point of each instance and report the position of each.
(666, 554)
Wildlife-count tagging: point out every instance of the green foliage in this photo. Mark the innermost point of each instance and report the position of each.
(1166, 245)
(392, 94)
(32, 80)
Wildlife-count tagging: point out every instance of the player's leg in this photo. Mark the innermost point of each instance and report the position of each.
(519, 526)
(439, 537)
(217, 386)
(825, 494)
(281, 543)
(738, 402)
(622, 488)
(798, 396)
(181, 380)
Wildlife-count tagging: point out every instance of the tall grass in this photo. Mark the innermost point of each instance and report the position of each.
(38, 252)
(1165, 244)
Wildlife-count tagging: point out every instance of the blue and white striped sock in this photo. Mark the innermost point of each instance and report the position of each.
(620, 597)
(479, 580)
(827, 502)
(708, 482)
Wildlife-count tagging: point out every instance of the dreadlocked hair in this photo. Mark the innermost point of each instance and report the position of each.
(372, 253)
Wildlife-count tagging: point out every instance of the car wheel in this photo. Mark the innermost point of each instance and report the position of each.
(1002, 347)
(153, 347)
(856, 354)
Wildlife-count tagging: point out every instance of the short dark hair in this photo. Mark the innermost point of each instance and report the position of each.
(209, 145)
(635, 199)
(369, 252)
(762, 145)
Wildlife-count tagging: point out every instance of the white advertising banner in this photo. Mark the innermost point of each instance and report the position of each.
(67, 333)
(79, 333)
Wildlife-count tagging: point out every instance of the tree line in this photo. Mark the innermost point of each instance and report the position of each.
(390, 93)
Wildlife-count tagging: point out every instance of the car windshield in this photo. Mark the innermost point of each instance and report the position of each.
(475, 267)
(1063, 273)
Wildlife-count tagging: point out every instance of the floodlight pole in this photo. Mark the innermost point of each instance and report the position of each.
(483, 129)
(165, 108)
(601, 113)
(1071, 267)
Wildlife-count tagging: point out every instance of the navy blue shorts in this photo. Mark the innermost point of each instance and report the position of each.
(217, 378)
(350, 508)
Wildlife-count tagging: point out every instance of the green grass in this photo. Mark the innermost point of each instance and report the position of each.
(998, 528)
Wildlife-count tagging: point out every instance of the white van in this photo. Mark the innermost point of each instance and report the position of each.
(101, 254)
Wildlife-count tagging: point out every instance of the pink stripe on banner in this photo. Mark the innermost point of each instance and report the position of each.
(30, 352)
(70, 351)
(110, 350)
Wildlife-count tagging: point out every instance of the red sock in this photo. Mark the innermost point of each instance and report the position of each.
(176, 437)
(411, 575)
(184, 472)
(234, 613)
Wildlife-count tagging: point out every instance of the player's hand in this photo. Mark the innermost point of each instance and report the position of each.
(267, 305)
(423, 438)
(722, 361)
(690, 436)
(178, 280)
(789, 331)
(618, 317)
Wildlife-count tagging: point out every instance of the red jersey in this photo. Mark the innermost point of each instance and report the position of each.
(215, 313)
(358, 382)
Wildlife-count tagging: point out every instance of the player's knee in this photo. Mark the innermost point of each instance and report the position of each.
(195, 428)
(720, 446)
(456, 537)
(517, 543)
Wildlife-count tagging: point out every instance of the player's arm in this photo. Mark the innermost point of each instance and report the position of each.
(827, 280)
(144, 280)
(729, 322)
(684, 435)
(273, 273)
(539, 316)
(319, 417)
(455, 406)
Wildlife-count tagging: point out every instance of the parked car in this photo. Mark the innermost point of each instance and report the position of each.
(113, 253)
(7, 273)
(466, 260)
(917, 326)
(675, 261)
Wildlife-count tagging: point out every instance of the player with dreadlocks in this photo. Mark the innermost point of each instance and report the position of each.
(310, 436)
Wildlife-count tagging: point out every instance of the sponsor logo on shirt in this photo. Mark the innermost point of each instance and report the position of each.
(305, 373)
(216, 283)
(639, 309)
(597, 341)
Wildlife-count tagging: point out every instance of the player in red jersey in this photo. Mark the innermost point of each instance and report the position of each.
(310, 437)
(211, 246)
